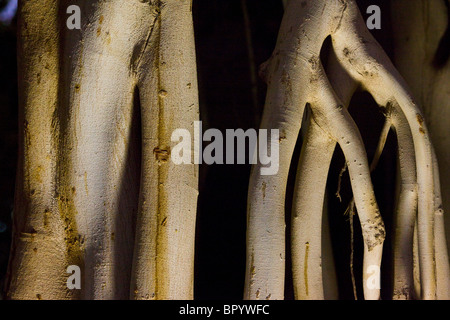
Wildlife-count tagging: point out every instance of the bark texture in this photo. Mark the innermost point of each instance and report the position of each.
(95, 185)
(296, 78)
(421, 41)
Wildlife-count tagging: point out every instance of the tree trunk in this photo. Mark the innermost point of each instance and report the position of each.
(95, 185)
(421, 40)
(296, 78)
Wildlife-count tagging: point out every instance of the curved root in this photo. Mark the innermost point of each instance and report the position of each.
(296, 77)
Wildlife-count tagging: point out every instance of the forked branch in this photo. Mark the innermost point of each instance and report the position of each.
(295, 78)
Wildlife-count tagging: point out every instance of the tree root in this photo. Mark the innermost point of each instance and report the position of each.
(295, 78)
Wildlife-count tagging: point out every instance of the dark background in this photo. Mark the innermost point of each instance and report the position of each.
(231, 98)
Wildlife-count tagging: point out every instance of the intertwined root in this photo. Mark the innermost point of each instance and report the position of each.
(295, 78)
(95, 185)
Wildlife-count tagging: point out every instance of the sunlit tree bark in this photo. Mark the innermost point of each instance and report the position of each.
(95, 187)
(421, 42)
(296, 78)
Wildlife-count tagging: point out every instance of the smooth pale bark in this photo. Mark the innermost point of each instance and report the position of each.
(312, 174)
(39, 255)
(418, 28)
(163, 262)
(406, 208)
(102, 109)
(296, 77)
(370, 65)
(310, 277)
